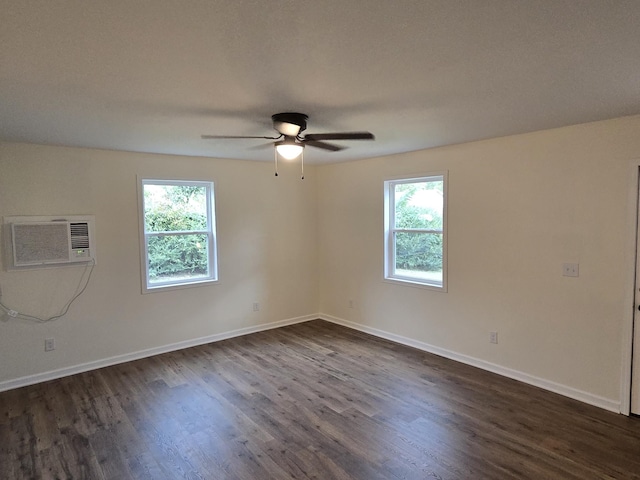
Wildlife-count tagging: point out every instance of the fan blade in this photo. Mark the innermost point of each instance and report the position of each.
(340, 136)
(262, 146)
(208, 137)
(323, 145)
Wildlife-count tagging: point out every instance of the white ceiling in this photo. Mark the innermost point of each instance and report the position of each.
(152, 76)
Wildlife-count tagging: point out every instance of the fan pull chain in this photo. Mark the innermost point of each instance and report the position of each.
(302, 164)
(275, 153)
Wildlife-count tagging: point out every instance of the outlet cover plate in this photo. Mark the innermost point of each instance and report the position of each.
(571, 269)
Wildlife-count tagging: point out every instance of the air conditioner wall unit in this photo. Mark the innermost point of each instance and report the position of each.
(49, 241)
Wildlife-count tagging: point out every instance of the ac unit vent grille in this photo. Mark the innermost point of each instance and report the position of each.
(79, 235)
(46, 241)
(39, 243)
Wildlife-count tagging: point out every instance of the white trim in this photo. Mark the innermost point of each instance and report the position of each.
(150, 352)
(585, 397)
(210, 231)
(389, 260)
(629, 297)
(410, 282)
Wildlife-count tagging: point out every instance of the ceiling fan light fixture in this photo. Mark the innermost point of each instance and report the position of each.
(287, 129)
(289, 124)
(289, 149)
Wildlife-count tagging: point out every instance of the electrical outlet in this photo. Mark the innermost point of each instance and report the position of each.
(256, 307)
(350, 303)
(493, 337)
(49, 344)
(571, 269)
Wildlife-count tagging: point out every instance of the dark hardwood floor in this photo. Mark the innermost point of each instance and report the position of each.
(313, 400)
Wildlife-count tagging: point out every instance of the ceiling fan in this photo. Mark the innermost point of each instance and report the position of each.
(290, 143)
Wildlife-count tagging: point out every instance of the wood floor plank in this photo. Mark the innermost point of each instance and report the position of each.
(308, 401)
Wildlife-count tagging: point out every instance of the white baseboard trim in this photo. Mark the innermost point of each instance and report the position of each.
(128, 357)
(585, 397)
(595, 400)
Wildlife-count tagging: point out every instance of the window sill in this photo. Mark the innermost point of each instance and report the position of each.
(416, 284)
(179, 286)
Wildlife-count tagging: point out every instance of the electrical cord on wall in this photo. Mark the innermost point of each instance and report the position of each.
(10, 313)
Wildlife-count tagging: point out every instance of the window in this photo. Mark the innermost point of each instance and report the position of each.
(178, 233)
(415, 230)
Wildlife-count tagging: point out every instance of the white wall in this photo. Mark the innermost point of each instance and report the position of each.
(267, 250)
(519, 207)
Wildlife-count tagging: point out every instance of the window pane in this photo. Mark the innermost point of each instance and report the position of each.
(170, 208)
(419, 255)
(419, 205)
(178, 257)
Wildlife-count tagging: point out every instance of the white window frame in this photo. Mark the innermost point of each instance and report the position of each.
(210, 231)
(390, 232)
